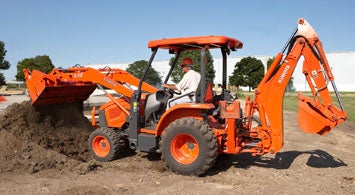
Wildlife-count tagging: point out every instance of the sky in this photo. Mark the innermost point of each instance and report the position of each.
(115, 31)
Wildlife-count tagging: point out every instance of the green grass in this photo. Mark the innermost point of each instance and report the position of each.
(291, 103)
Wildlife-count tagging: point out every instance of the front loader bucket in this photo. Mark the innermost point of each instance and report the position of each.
(314, 117)
(48, 89)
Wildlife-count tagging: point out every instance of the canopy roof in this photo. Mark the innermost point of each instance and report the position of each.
(186, 43)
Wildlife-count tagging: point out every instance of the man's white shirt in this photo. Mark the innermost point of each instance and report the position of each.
(189, 82)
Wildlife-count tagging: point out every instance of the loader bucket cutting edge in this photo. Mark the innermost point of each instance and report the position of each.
(62, 94)
(312, 120)
(43, 89)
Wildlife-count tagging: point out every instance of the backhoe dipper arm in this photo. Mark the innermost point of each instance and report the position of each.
(317, 114)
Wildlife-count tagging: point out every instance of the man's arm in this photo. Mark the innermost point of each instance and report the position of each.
(170, 86)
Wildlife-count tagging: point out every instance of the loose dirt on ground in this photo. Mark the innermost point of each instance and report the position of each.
(46, 152)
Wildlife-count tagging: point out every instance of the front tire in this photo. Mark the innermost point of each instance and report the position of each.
(104, 144)
(189, 147)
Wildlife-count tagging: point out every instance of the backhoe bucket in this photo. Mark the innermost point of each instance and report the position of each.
(314, 117)
(2, 99)
(47, 89)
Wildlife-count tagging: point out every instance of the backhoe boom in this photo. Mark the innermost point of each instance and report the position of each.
(317, 114)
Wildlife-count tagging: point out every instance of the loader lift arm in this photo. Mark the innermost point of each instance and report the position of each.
(77, 83)
(317, 114)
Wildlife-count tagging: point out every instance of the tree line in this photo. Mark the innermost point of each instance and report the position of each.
(248, 72)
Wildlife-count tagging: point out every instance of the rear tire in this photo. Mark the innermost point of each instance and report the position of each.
(104, 144)
(189, 147)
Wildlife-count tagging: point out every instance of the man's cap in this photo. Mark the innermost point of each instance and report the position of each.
(186, 61)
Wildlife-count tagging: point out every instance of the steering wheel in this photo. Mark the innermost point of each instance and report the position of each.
(171, 91)
(177, 92)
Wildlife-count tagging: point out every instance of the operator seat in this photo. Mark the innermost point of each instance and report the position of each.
(208, 98)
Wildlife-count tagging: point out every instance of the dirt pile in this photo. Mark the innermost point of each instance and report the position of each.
(46, 137)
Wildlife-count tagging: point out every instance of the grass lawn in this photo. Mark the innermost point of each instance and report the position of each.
(291, 103)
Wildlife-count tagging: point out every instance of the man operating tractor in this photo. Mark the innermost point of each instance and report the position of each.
(187, 84)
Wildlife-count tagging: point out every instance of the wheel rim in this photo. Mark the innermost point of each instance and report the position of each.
(101, 146)
(184, 148)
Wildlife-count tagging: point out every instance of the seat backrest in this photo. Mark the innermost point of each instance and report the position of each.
(208, 96)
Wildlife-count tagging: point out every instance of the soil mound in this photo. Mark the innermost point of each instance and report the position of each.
(46, 137)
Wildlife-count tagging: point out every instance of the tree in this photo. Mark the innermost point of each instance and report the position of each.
(4, 64)
(195, 55)
(247, 72)
(152, 77)
(2, 79)
(290, 86)
(41, 63)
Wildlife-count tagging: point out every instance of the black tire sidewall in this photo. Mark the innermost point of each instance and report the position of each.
(108, 134)
(202, 141)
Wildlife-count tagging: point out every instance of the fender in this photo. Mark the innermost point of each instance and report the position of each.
(181, 111)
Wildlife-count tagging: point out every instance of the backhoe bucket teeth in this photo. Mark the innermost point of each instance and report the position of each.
(314, 117)
(44, 89)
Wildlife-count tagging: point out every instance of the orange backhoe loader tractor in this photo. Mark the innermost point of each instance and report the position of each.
(190, 136)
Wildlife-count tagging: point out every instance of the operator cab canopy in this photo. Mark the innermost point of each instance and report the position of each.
(187, 43)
